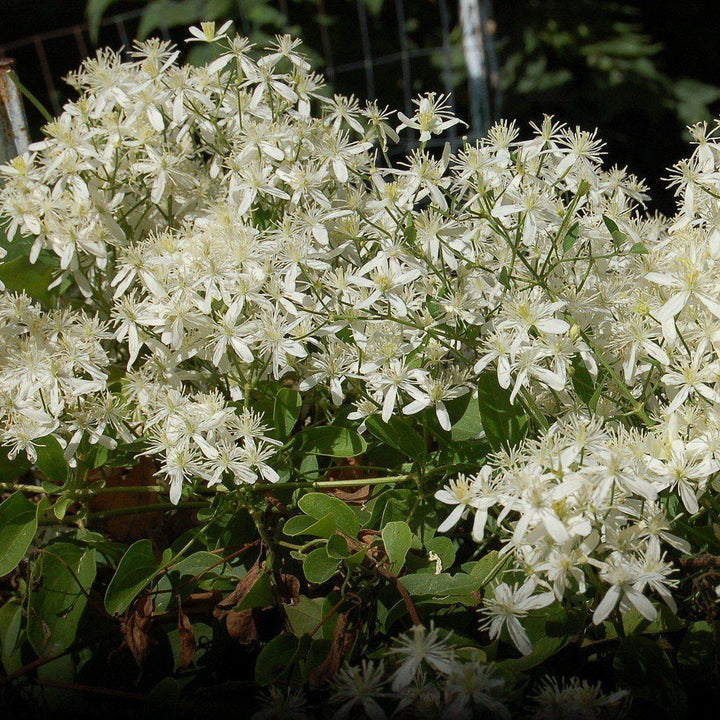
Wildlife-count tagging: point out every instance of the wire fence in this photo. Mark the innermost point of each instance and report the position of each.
(384, 54)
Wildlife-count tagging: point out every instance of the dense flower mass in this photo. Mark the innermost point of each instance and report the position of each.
(218, 229)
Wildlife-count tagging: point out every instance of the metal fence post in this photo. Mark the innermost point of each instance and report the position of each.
(474, 50)
(14, 135)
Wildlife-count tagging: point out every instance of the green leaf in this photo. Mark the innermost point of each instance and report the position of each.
(98, 457)
(374, 7)
(162, 700)
(469, 425)
(444, 548)
(307, 615)
(618, 237)
(60, 582)
(442, 585)
(136, 569)
(693, 99)
(641, 665)
(638, 249)
(18, 525)
(333, 441)
(583, 189)
(318, 651)
(125, 454)
(51, 460)
(487, 568)
(318, 505)
(61, 506)
(396, 509)
(309, 467)
(276, 659)
(10, 470)
(584, 384)
(20, 275)
(505, 425)
(259, 595)
(549, 631)
(379, 506)
(318, 566)
(633, 623)
(696, 654)
(94, 11)
(203, 566)
(398, 434)
(337, 547)
(195, 564)
(571, 237)
(11, 616)
(286, 411)
(164, 14)
(397, 538)
(305, 525)
(504, 277)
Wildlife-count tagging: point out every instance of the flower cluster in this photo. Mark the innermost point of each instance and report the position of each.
(424, 676)
(54, 379)
(218, 229)
(589, 499)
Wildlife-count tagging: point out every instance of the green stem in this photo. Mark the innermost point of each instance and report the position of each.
(637, 406)
(74, 519)
(345, 483)
(119, 512)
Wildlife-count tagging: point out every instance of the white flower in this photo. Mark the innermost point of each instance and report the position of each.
(690, 279)
(423, 697)
(476, 493)
(680, 468)
(282, 705)
(624, 579)
(360, 686)
(417, 647)
(508, 605)
(694, 376)
(247, 240)
(208, 33)
(432, 392)
(472, 687)
(388, 381)
(575, 699)
(432, 117)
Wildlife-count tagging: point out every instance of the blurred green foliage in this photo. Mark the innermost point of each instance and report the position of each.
(599, 63)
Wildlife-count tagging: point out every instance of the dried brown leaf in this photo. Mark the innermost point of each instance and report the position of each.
(138, 627)
(127, 528)
(342, 641)
(347, 469)
(241, 626)
(358, 497)
(289, 587)
(240, 591)
(188, 644)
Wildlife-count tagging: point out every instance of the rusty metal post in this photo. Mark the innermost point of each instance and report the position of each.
(14, 135)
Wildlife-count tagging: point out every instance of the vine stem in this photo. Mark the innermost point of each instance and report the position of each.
(110, 692)
(638, 408)
(388, 575)
(345, 483)
(38, 490)
(160, 506)
(119, 512)
(149, 489)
